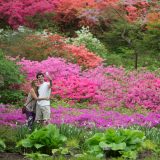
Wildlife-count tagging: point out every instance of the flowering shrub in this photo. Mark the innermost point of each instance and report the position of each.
(16, 12)
(54, 45)
(40, 45)
(67, 82)
(106, 86)
(136, 10)
(84, 117)
(86, 38)
(144, 90)
(80, 13)
(73, 12)
(83, 57)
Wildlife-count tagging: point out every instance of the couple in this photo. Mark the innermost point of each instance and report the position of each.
(38, 100)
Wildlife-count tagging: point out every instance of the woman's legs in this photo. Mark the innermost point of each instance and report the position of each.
(30, 119)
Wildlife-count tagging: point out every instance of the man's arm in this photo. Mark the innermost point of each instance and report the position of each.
(50, 81)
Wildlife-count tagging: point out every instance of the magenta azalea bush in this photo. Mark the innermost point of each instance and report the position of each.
(105, 86)
(83, 118)
(16, 12)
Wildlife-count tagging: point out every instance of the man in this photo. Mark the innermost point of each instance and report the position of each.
(43, 107)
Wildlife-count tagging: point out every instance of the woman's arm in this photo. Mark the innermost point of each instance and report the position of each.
(34, 96)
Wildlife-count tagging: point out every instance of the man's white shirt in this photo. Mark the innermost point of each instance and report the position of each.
(44, 91)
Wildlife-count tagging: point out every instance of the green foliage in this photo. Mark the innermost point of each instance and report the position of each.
(80, 134)
(8, 134)
(128, 40)
(114, 59)
(47, 137)
(59, 102)
(21, 132)
(152, 134)
(11, 96)
(2, 145)
(118, 142)
(36, 156)
(9, 76)
(86, 38)
(9, 72)
(42, 22)
(78, 157)
(151, 39)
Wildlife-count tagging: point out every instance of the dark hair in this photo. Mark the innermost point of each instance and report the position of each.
(39, 74)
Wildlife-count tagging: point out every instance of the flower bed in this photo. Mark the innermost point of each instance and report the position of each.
(84, 118)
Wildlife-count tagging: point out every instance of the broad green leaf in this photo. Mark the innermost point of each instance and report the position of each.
(103, 145)
(100, 155)
(2, 145)
(64, 151)
(54, 151)
(115, 147)
(25, 143)
(95, 139)
(129, 154)
(37, 146)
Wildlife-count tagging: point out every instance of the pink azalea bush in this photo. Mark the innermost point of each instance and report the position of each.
(83, 118)
(67, 82)
(15, 12)
(105, 86)
(144, 90)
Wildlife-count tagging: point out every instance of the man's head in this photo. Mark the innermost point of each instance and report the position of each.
(40, 77)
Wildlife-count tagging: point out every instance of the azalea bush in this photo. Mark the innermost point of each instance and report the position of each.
(105, 86)
(40, 45)
(15, 13)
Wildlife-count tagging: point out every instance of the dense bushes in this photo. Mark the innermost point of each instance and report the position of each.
(9, 72)
(10, 78)
(39, 45)
(106, 86)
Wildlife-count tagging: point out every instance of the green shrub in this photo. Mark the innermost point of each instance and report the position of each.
(11, 97)
(9, 72)
(44, 22)
(118, 142)
(45, 139)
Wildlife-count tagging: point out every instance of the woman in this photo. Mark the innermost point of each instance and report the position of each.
(31, 103)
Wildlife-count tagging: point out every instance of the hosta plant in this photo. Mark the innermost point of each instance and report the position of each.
(120, 142)
(45, 138)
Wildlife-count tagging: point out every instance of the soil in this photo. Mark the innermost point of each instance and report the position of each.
(11, 156)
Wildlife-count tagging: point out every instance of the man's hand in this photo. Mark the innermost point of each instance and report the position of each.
(48, 76)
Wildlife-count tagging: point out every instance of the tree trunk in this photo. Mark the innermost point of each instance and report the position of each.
(136, 60)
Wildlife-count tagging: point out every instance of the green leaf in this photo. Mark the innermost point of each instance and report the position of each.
(64, 151)
(98, 137)
(2, 145)
(100, 155)
(129, 154)
(25, 143)
(104, 146)
(37, 146)
(54, 151)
